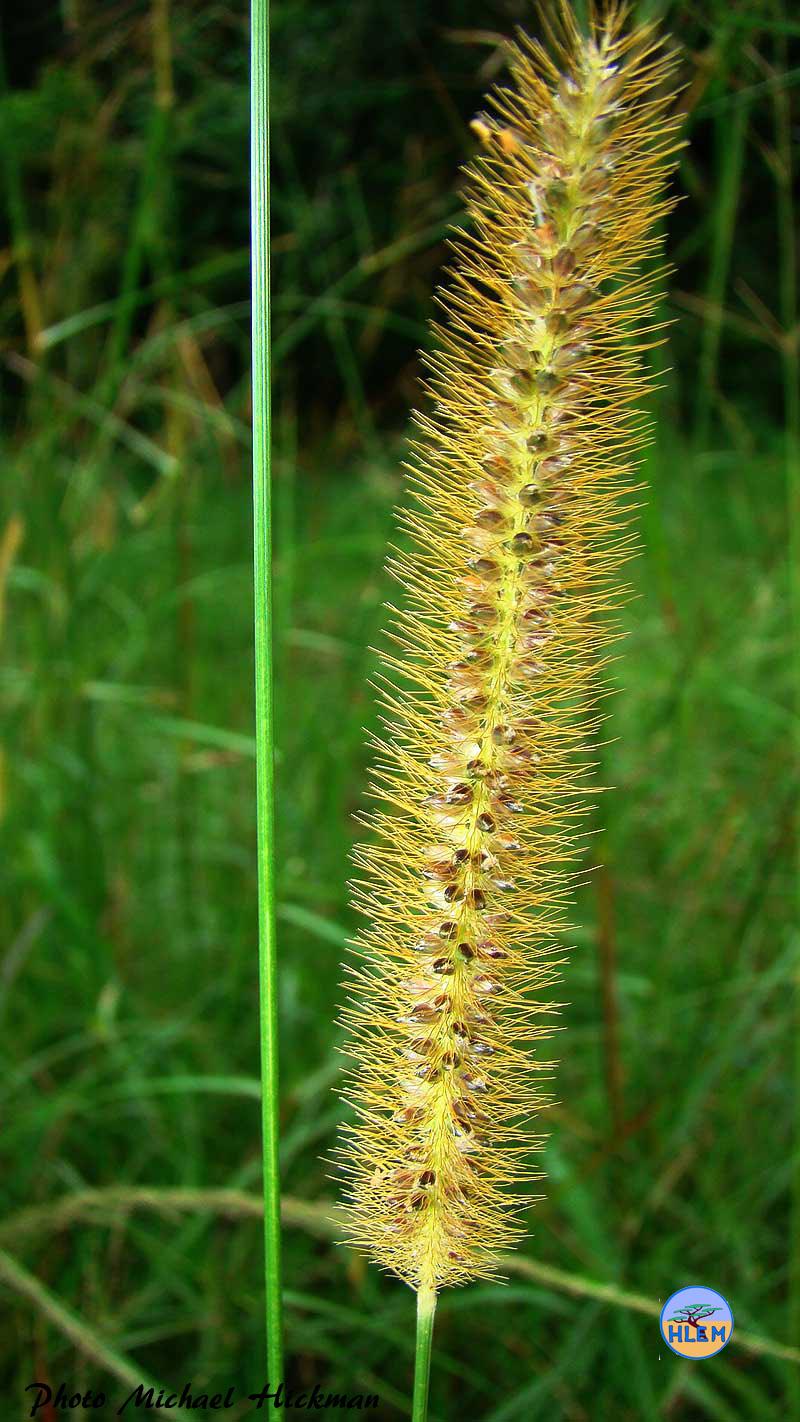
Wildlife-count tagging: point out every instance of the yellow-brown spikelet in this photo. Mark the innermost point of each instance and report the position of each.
(516, 530)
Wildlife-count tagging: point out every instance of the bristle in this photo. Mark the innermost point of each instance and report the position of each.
(517, 533)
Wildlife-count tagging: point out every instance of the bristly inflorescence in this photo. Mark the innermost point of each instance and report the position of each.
(516, 534)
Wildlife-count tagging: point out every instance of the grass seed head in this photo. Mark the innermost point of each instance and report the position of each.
(515, 535)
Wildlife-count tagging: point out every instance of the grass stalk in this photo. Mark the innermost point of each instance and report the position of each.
(426, 1311)
(264, 717)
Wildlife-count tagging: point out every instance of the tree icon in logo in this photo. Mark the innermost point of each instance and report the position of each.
(693, 1314)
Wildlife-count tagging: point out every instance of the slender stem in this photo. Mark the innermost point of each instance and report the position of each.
(426, 1309)
(259, 222)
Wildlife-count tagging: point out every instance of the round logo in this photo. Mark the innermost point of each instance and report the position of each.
(696, 1322)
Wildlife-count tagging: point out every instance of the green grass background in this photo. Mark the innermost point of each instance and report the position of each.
(127, 941)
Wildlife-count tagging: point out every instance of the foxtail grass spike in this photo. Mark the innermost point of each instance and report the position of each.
(491, 687)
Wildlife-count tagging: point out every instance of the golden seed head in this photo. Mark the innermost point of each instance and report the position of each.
(517, 537)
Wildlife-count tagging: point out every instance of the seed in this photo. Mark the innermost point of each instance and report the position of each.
(485, 822)
(444, 966)
(483, 612)
(538, 441)
(407, 1115)
(578, 295)
(510, 804)
(418, 1048)
(448, 929)
(585, 237)
(529, 495)
(545, 521)
(428, 944)
(521, 543)
(552, 466)
(503, 735)
(428, 1177)
(482, 1049)
(516, 354)
(403, 1178)
(506, 414)
(464, 1144)
(570, 354)
(477, 702)
(476, 898)
(527, 669)
(466, 950)
(528, 257)
(463, 1112)
(490, 518)
(485, 568)
(421, 1012)
(534, 615)
(492, 950)
(473, 1083)
(441, 870)
(547, 381)
(417, 985)
(496, 461)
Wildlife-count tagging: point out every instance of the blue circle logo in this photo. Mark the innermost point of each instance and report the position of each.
(696, 1322)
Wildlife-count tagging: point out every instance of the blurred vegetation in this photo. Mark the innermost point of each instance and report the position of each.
(127, 953)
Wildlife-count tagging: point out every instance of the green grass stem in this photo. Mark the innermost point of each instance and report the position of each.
(426, 1310)
(264, 718)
